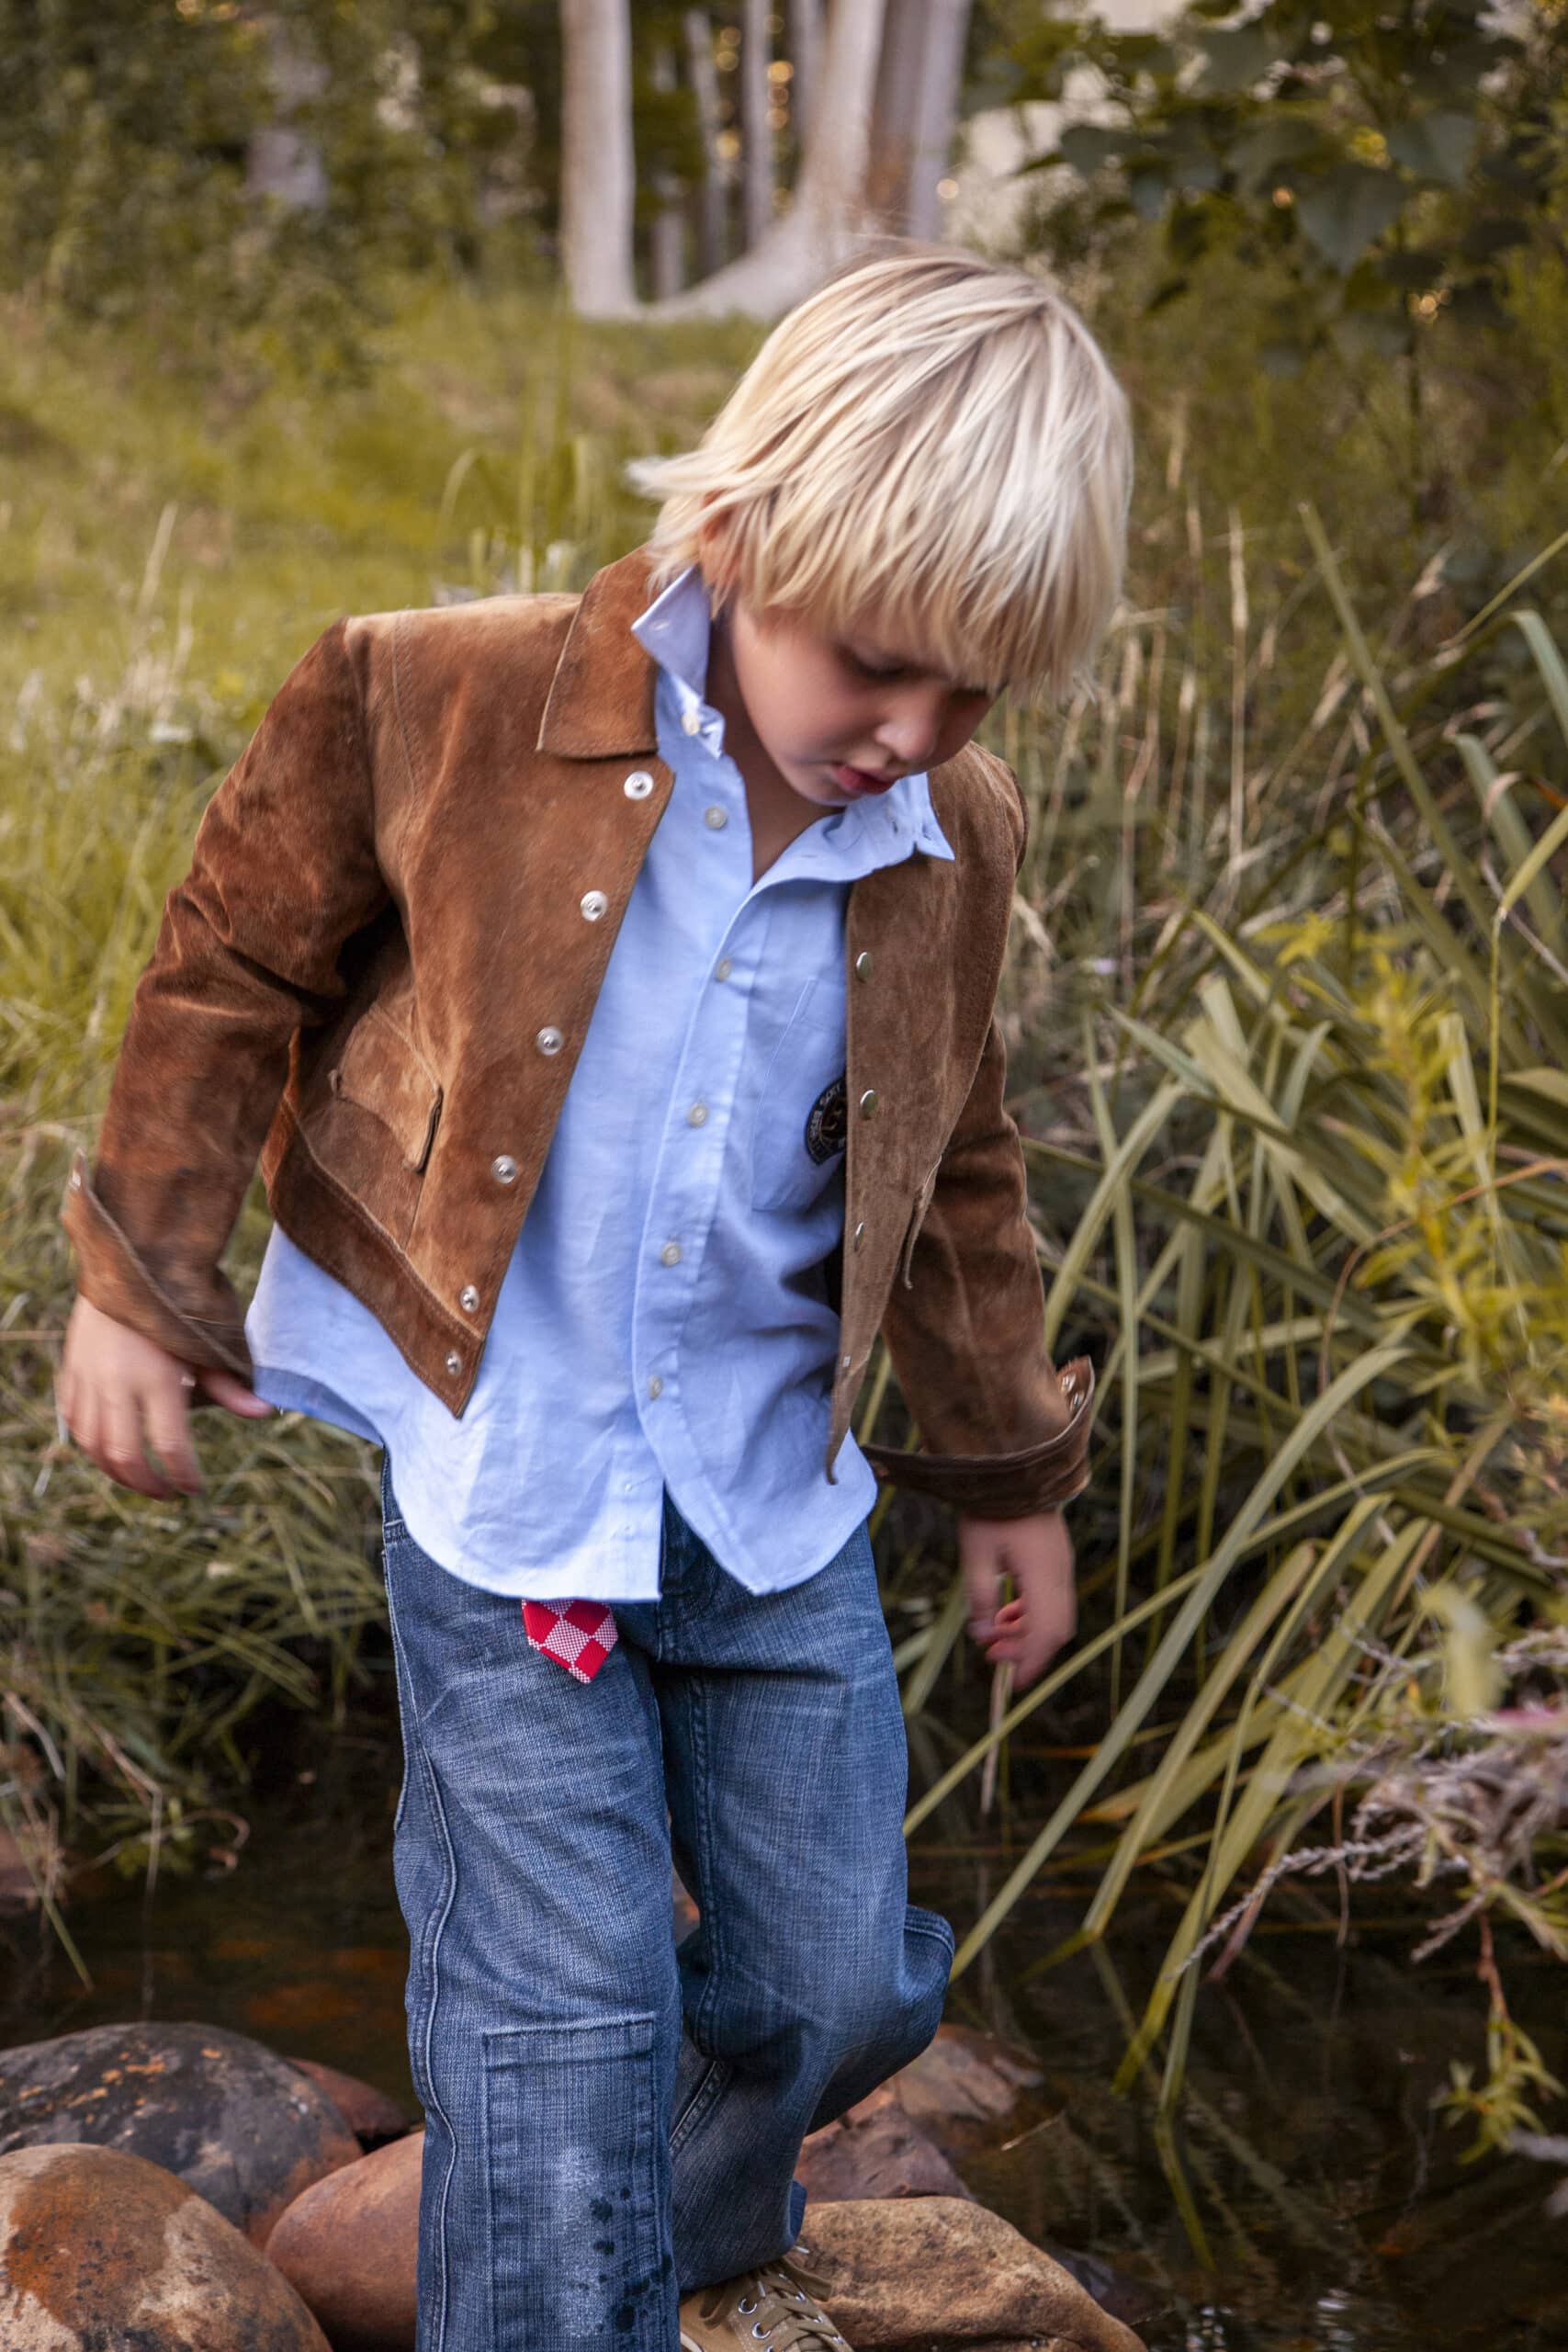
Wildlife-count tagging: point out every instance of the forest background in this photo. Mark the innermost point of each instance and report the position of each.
(316, 309)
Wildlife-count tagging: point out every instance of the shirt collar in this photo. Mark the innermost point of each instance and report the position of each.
(676, 629)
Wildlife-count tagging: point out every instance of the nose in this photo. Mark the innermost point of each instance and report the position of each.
(910, 725)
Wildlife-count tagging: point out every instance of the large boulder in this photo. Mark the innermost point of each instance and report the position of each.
(918, 2273)
(103, 2252)
(235, 2123)
(350, 2247)
(370, 2115)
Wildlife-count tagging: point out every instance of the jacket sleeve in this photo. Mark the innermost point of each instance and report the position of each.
(283, 870)
(1004, 1433)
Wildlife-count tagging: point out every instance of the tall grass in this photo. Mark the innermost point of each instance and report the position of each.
(1287, 1036)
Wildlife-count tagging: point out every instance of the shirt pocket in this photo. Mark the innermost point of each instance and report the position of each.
(799, 1129)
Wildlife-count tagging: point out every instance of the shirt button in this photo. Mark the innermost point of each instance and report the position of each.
(638, 785)
(468, 1297)
(549, 1041)
(503, 1168)
(715, 819)
(691, 722)
(593, 903)
(863, 964)
(655, 1385)
(697, 1115)
(868, 1103)
(454, 1361)
(723, 969)
(670, 1253)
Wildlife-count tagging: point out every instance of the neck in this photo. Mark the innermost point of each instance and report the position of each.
(778, 813)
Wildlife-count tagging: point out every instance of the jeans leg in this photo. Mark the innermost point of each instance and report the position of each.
(810, 1977)
(532, 1862)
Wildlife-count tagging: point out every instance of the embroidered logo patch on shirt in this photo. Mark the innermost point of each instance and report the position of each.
(827, 1126)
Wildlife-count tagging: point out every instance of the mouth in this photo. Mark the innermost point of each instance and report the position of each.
(861, 780)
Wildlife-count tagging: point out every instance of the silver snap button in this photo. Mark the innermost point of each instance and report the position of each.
(723, 969)
(868, 1103)
(844, 1363)
(715, 819)
(638, 785)
(670, 1253)
(697, 1115)
(550, 1041)
(468, 1297)
(691, 722)
(863, 964)
(655, 1385)
(860, 1235)
(503, 1168)
(454, 1361)
(593, 903)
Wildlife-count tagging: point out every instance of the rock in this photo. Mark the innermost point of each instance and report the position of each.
(350, 2247)
(964, 2077)
(912, 2273)
(101, 2251)
(875, 2149)
(234, 2121)
(370, 2115)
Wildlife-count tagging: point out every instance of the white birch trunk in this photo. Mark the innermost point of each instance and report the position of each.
(939, 82)
(827, 218)
(756, 137)
(668, 242)
(806, 55)
(596, 156)
(711, 240)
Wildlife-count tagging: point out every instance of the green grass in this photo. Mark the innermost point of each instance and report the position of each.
(1285, 1018)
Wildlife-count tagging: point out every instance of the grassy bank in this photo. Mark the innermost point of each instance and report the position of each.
(1285, 1005)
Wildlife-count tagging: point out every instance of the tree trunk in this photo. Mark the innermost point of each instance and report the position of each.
(711, 239)
(667, 241)
(940, 80)
(756, 132)
(895, 111)
(806, 54)
(827, 218)
(596, 156)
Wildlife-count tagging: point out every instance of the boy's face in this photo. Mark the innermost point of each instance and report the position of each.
(843, 714)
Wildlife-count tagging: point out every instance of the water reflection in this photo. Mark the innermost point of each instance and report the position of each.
(1339, 2214)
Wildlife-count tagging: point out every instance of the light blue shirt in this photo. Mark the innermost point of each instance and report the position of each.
(664, 1318)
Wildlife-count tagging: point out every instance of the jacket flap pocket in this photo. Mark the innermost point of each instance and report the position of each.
(385, 1073)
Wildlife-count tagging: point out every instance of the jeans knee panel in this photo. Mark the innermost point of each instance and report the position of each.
(575, 2139)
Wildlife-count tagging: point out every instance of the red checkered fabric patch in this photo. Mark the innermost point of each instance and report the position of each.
(578, 1635)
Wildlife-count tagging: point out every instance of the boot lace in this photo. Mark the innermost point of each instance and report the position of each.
(784, 2293)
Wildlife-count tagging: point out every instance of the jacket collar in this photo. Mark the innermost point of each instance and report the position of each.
(600, 703)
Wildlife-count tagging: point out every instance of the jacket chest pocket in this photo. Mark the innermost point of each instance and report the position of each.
(800, 1127)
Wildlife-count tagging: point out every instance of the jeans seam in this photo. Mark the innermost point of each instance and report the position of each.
(696, 1742)
(429, 1971)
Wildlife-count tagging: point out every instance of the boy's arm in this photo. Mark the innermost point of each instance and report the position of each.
(283, 870)
(1004, 1433)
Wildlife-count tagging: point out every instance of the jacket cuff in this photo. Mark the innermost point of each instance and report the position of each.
(1004, 1486)
(115, 1279)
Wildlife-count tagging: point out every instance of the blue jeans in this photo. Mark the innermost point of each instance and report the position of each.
(612, 2120)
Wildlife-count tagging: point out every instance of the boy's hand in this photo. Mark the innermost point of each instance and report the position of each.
(116, 1393)
(1037, 1551)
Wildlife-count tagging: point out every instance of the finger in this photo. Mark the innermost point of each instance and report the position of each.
(168, 1433)
(981, 1583)
(225, 1388)
(122, 1453)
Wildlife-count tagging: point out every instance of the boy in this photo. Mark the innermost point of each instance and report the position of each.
(596, 1245)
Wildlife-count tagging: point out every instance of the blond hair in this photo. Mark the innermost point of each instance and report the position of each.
(932, 442)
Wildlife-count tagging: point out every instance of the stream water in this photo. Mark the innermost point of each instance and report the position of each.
(1338, 2213)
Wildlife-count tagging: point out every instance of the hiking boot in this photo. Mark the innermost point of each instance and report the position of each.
(775, 2304)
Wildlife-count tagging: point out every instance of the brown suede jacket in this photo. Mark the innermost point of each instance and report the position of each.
(379, 970)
